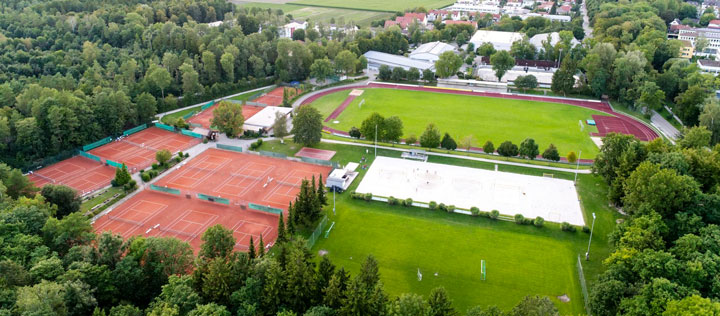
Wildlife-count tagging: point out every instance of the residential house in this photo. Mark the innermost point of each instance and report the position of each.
(288, 29)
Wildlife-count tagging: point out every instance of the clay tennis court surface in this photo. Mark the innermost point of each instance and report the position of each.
(241, 178)
(151, 213)
(203, 118)
(275, 97)
(80, 173)
(137, 151)
(315, 153)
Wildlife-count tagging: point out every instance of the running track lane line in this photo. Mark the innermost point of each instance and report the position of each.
(499, 162)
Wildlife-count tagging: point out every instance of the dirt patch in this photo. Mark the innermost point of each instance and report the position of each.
(564, 298)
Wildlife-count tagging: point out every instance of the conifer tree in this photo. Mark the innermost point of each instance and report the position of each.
(281, 230)
(251, 251)
(321, 192)
(261, 248)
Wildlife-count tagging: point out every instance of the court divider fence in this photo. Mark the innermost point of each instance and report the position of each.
(229, 147)
(317, 232)
(90, 156)
(134, 130)
(165, 127)
(97, 144)
(189, 115)
(272, 154)
(264, 208)
(165, 189)
(211, 198)
(113, 164)
(191, 134)
(208, 105)
(330, 163)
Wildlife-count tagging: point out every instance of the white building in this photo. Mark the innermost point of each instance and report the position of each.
(265, 118)
(711, 66)
(554, 39)
(551, 17)
(499, 40)
(288, 29)
(691, 34)
(376, 59)
(430, 52)
(489, 6)
(215, 24)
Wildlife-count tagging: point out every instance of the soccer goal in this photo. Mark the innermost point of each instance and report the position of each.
(419, 275)
(582, 126)
(361, 103)
(548, 175)
(482, 270)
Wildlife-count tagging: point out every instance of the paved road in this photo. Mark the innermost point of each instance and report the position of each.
(664, 126)
(586, 20)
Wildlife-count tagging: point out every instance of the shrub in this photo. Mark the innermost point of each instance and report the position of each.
(187, 155)
(519, 219)
(155, 166)
(408, 202)
(259, 142)
(180, 154)
(145, 177)
(432, 205)
(205, 141)
(442, 207)
(411, 140)
(368, 196)
(566, 227)
(539, 221)
(392, 201)
(474, 211)
(450, 208)
(178, 159)
(586, 229)
(494, 214)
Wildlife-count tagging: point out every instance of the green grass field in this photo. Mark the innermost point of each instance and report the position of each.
(380, 5)
(484, 118)
(320, 14)
(521, 260)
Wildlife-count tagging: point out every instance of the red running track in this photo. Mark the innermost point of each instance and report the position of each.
(628, 125)
(340, 108)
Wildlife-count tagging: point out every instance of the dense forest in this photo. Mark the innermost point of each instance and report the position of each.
(72, 72)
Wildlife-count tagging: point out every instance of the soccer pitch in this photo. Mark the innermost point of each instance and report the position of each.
(519, 261)
(378, 5)
(484, 118)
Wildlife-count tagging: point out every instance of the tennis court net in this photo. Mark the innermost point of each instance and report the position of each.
(125, 220)
(44, 177)
(140, 145)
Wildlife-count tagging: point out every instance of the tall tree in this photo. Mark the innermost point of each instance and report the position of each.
(501, 62)
(307, 126)
(228, 118)
(448, 64)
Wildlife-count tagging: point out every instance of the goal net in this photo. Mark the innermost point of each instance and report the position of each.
(548, 175)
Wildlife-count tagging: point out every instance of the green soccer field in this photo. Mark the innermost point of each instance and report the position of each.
(379, 5)
(484, 118)
(521, 260)
(323, 15)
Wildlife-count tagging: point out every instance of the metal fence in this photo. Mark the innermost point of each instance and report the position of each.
(112, 163)
(333, 164)
(90, 156)
(134, 130)
(272, 154)
(97, 144)
(206, 106)
(229, 147)
(583, 285)
(165, 127)
(317, 232)
(165, 189)
(264, 208)
(191, 134)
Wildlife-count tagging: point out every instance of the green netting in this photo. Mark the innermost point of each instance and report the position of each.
(264, 208)
(256, 95)
(256, 103)
(91, 156)
(189, 115)
(165, 189)
(229, 147)
(317, 232)
(196, 125)
(134, 130)
(165, 127)
(191, 134)
(206, 106)
(211, 198)
(333, 164)
(97, 144)
(114, 164)
(272, 154)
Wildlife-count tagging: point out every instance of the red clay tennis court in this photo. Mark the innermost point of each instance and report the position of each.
(315, 153)
(152, 213)
(137, 151)
(275, 97)
(80, 173)
(203, 118)
(243, 178)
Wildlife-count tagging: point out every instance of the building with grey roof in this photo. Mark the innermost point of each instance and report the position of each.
(376, 59)
(431, 52)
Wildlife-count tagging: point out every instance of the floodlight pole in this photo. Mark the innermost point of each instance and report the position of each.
(577, 166)
(375, 140)
(587, 254)
(333, 188)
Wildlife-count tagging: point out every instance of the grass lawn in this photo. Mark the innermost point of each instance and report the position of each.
(484, 118)
(380, 5)
(320, 14)
(521, 260)
(89, 204)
